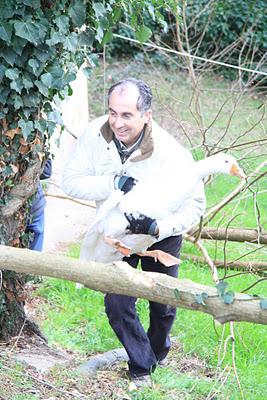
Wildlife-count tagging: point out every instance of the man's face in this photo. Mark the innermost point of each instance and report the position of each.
(124, 118)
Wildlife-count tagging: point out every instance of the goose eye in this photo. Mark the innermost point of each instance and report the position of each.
(226, 161)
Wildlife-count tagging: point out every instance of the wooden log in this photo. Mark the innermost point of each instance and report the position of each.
(120, 278)
(259, 266)
(234, 235)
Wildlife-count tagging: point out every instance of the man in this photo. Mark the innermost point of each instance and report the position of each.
(116, 153)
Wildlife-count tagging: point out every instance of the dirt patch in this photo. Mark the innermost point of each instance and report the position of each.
(42, 358)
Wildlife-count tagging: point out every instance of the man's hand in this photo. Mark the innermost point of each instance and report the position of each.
(141, 225)
(124, 183)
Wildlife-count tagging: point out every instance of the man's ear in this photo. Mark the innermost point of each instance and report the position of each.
(147, 116)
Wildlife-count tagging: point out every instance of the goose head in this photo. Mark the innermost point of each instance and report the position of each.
(220, 163)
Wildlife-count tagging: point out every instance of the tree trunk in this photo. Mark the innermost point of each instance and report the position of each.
(120, 278)
(13, 222)
(234, 235)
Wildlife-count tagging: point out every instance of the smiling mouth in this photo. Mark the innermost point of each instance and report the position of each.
(122, 134)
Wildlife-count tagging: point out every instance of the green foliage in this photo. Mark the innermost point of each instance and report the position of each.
(201, 298)
(39, 53)
(217, 25)
(231, 20)
(226, 297)
(225, 22)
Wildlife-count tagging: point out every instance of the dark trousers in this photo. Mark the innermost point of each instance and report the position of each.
(37, 228)
(144, 348)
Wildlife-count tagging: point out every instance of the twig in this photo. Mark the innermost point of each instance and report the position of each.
(254, 284)
(18, 337)
(212, 393)
(224, 349)
(233, 358)
(206, 256)
(225, 244)
(57, 196)
(220, 347)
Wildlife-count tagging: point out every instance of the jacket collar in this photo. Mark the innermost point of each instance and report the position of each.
(147, 144)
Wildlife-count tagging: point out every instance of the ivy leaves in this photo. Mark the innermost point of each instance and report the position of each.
(6, 32)
(143, 33)
(226, 297)
(77, 12)
(33, 32)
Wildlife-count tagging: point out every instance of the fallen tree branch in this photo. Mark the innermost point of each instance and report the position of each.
(234, 235)
(249, 266)
(120, 278)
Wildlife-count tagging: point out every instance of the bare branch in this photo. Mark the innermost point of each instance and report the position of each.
(120, 278)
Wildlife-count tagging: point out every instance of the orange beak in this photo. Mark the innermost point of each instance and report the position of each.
(236, 171)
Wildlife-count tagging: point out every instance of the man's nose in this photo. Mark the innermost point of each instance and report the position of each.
(118, 122)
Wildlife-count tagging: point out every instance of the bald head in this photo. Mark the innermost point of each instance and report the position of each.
(134, 87)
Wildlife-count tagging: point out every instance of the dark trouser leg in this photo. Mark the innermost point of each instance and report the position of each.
(37, 228)
(140, 346)
(162, 316)
(124, 321)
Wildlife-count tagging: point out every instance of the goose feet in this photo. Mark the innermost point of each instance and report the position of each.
(166, 259)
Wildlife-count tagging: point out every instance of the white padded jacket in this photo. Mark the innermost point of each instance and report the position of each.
(89, 173)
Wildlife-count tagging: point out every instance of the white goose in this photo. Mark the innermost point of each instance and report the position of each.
(107, 240)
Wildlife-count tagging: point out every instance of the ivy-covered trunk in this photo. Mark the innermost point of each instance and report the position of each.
(12, 295)
(12, 314)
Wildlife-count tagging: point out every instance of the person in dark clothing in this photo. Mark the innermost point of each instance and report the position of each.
(36, 223)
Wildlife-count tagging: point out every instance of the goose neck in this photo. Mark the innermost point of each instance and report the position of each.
(206, 167)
